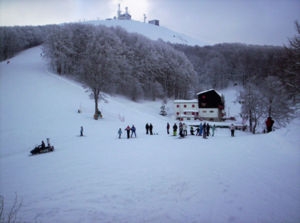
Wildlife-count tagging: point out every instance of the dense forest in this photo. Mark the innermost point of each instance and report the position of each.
(114, 61)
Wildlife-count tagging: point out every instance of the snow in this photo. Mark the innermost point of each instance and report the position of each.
(157, 178)
(151, 31)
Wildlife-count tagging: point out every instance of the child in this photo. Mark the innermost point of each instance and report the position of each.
(120, 133)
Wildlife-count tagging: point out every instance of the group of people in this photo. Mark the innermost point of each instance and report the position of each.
(149, 129)
(128, 129)
(131, 131)
(204, 129)
(201, 130)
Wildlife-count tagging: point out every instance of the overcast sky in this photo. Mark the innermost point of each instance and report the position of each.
(264, 22)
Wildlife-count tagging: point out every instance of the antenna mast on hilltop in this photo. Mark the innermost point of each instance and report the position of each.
(119, 11)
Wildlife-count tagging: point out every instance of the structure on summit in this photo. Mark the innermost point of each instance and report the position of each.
(124, 16)
(127, 16)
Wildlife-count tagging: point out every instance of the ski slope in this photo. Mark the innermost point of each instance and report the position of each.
(158, 178)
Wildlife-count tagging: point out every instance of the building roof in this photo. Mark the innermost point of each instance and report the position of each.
(210, 90)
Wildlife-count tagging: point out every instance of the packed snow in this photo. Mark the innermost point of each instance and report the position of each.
(150, 178)
(151, 31)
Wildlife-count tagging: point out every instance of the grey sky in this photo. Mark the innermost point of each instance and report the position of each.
(269, 22)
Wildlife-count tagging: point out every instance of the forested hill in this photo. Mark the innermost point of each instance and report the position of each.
(112, 60)
(18, 38)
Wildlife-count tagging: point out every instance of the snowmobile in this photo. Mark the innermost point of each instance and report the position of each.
(39, 149)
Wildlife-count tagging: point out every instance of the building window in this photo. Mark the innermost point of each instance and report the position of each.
(184, 106)
(193, 106)
(177, 106)
(211, 111)
(177, 113)
(184, 113)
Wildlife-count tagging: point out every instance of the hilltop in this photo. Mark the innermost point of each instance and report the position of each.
(151, 31)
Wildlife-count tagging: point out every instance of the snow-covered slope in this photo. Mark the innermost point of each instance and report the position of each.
(158, 178)
(151, 31)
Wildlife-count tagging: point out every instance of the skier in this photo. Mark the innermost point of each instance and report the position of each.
(184, 128)
(175, 129)
(133, 131)
(269, 124)
(128, 131)
(120, 133)
(197, 131)
(204, 128)
(232, 128)
(168, 128)
(81, 131)
(181, 129)
(200, 129)
(147, 128)
(213, 128)
(192, 130)
(150, 129)
(207, 129)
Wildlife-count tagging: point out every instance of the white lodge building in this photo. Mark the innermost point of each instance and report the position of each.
(186, 109)
(208, 106)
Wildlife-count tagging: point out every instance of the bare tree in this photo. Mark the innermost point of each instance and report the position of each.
(292, 73)
(11, 215)
(253, 107)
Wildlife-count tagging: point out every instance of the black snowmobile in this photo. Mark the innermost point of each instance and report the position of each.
(39, 149)
(42, 148)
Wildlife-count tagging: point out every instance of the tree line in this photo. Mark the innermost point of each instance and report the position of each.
(269, 76)
(114, 61)
(15, 39)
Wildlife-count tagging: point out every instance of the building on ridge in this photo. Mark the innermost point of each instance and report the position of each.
(124, 16)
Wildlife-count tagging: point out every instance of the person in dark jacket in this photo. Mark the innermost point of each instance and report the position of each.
(128, 131)
(168, 128)
(192, 130)
(232, 128)
(43, 145)
(133, 131)
(175, 129)
(204, 130)
(81, 131)
(147, 128)
(207, 129)
(151, 129)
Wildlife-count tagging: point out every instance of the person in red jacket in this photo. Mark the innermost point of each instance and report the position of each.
(128, 131)
(269, 124)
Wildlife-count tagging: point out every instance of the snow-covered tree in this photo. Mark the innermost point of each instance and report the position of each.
(292, 72)
(253, 107)
(100, 64)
